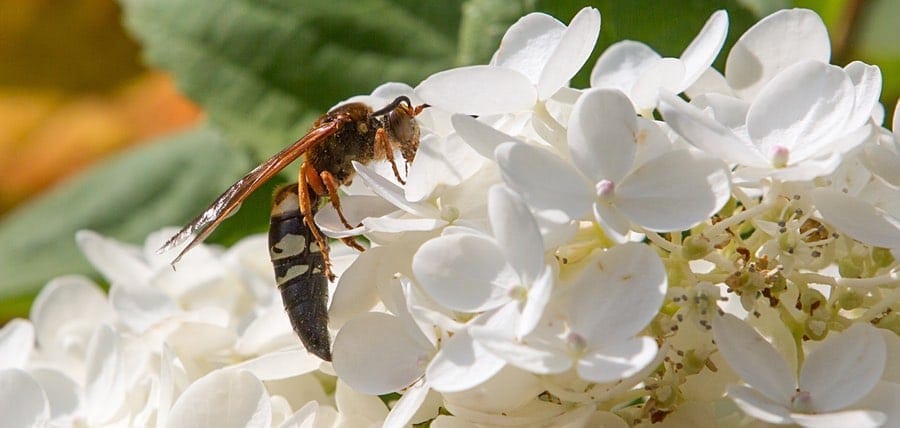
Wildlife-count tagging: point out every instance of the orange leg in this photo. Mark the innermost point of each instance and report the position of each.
(381, 143)
(308, 211)
(332, 185)
(351, 242)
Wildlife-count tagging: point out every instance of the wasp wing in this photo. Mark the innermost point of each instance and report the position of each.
(229, 201)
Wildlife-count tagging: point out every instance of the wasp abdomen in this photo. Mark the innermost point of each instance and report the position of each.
(300, 271)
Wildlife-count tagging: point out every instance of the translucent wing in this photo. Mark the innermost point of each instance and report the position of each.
(205, 223)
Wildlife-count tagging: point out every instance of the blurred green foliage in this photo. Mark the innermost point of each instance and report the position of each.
(263, 70)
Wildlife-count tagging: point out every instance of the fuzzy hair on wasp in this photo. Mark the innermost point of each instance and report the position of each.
(349, 132)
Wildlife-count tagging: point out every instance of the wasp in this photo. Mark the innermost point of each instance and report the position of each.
(349, 132)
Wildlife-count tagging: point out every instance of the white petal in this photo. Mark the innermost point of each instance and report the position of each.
(884, 162)
(461, 364)
(867, 82)
(707, 134)
(602, 131)
(479, 90)
(538, 297)
(528, 44)
(355, 294)
(116, 261)
(62, 392)
(106, 386)
(614, 363)
(356, 209)
(389, 224)
(393, 193)
(22, 401)
(536, 355)
(883, 397)
(223, 398)
(754, 359)
(614, 224)
(16, 343)
(546, 182)
(802, 109)
(351, 402)
(517, 232)
(139, 307)
(709, 82)
(850, 418)
(727, 110)
(753, 403)
(280, 364)
(689, 187)
(571, 53)
(66, 311)
(510, 388)
(667, 75)
(776, 42)
(622, 64)
(373, 354)
(702, 51)
(306, 417)
(843, 369)
(466, 273)
(480, 136)
(618, 293)
(440, 163)
(405, 408)
(858, 219)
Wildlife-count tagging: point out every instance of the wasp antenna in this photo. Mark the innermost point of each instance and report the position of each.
(393, 105)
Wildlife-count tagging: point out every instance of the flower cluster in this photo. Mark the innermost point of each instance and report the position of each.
(670, 246)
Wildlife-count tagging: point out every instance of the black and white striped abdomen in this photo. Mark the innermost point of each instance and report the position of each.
(300, 271)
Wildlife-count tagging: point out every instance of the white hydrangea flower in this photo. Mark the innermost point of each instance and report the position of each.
(637, 70)
(603, 139)
(563, 259)
(537, 57)
(835, 376)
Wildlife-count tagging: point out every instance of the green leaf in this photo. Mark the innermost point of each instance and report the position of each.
(156, 185)
(263, 70)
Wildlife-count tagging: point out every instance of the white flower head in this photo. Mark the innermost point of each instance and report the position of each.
(834, 377)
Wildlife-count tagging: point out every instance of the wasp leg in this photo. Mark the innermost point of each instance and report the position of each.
(383, 144)
(351, 242)
(332, 184)
(308, 202)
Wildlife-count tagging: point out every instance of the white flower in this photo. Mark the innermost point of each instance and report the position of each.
(537, 56)
(615, 298)
(773, 44)
(603, 140)
(834, 377)
(638, 71)
(508, 269)
(858, 219)
(799, 114)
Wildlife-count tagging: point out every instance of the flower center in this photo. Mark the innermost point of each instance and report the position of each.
(802, 402)
(518, 293)
(780, 156)
(449, 213)
(605, 189)
(576, 344)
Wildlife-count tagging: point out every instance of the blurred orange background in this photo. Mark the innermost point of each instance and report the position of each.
(73, 90)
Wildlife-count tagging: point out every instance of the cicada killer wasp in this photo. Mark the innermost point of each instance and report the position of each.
(349, 132)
